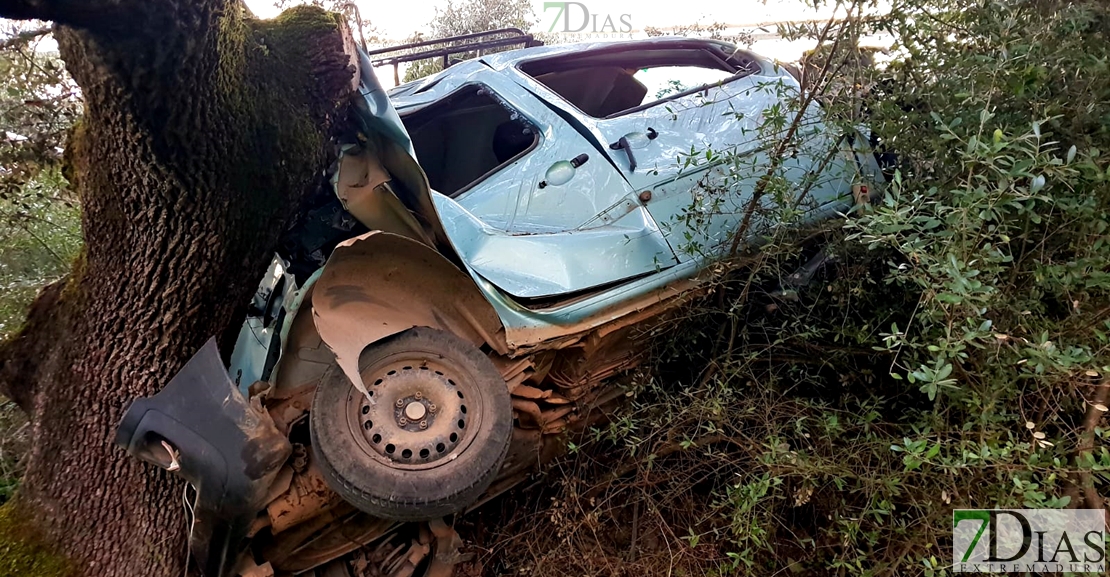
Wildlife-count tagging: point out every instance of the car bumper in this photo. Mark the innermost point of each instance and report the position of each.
(202, 428)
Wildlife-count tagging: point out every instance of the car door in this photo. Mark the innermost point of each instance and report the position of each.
(557, 218)
(685, 125)
(701, 158)
(697, 158)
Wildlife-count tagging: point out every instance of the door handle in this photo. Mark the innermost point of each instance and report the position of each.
(623, 144)
(634, 140)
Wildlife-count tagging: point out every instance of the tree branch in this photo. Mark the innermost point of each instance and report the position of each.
(149, 17)
(1091, 497)
(25, 37)
(22, 355)
(780, 149)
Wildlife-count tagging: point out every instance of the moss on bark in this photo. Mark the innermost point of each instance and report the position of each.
(23, 551)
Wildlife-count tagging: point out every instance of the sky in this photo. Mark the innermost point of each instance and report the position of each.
(398, 20)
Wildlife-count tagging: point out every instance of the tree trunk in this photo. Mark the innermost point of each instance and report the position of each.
(203, 130)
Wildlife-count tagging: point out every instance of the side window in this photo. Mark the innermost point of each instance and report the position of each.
(466, 137)
(610, 84)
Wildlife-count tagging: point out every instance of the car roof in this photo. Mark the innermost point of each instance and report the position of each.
(502, 60)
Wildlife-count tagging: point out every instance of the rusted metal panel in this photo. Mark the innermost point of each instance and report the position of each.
(328, 536)
(307, 497)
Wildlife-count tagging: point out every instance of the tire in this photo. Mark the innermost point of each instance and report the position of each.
(376, 458)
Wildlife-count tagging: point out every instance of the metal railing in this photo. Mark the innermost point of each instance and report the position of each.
(447, 47)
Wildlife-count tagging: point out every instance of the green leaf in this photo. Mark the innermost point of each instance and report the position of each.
(950, 298)
(1037, 183)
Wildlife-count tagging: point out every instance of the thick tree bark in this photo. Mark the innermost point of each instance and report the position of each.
(203, 129)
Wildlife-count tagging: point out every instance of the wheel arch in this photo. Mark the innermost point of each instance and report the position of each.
(381, 284)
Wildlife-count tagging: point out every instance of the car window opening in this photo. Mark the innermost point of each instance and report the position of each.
(608, 85)
(466, 137)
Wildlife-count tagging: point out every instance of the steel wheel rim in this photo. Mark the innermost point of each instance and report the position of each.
(404, 385)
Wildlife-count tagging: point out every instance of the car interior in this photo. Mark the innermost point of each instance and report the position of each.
(465, 137)
(608, 84)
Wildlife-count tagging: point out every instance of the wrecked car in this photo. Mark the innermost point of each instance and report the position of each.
(463, 297)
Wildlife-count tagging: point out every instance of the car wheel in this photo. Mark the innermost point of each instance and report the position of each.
(429, 439)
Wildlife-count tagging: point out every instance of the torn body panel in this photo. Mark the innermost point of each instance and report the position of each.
(381, 284)
(364, 186)
(551, 264)
(557, 325)
(259, 343)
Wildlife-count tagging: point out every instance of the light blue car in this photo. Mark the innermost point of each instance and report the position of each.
(495, 237)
